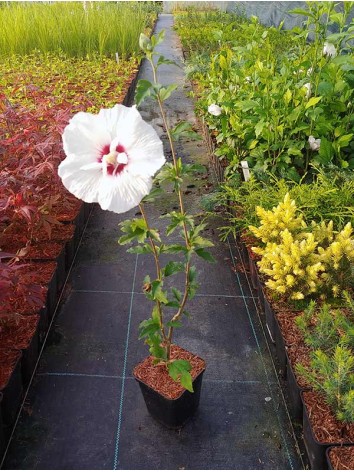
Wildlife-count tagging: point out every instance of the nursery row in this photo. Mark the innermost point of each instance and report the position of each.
(40, 221)
(280, 103)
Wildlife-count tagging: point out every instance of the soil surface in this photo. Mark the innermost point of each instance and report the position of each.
(342, 458)
(326, 428)
(157, 377)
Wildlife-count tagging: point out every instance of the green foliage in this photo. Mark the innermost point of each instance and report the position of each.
(328, 198)
(179, 371)
(328, 332)
(276, 90)
(333, 375)
(59, 81)
(78, 29)
(324, 327)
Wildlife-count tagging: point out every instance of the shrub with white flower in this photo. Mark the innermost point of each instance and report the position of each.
(329, 50)
(315, 144)
(214, 110)
(112, 158)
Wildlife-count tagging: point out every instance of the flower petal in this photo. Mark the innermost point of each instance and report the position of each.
(123, 192)
(84, 184)
(85, 136)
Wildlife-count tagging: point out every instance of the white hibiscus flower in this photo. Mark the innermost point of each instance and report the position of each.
(111, 157)
(214, 109)
(315, 144)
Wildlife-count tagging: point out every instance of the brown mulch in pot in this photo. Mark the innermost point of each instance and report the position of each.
(298, 352)
(157, 377)
(326, 428)
(342, 458)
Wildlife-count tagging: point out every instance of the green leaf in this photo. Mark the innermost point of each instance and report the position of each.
(300, 11)
(325, 152)
(141, 249)
(156, 350)
(259, 128)
(312, 102)
(184, 129)
(145, 43)
(153, 234)
(192, 274)
(293, 151)
(173, 268)
(223, 63)
(144, 89)
(157, 39)
(173, 249)
(247, 105)
(177, 294)
(205, 255)
(165, 92)
(157, 293)
(179, 371)
(148, 328)
(344, 140)
(164, 60)
(155, 192)
(174, 324)
(287, 96)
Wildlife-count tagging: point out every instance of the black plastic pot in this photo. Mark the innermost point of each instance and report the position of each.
(244, 255)
(11, 399)
(172, 413)
(61, 272)
(30, 357)
(52, 295)
(294, 392)
(43, 323)
(329, 463)
(316, 450)
(269, 319)
(253, 271)
(2, 435)
(69, 253)
(280, 349)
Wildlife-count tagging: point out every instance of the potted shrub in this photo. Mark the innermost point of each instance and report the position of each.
(111, 159)
(329, 409)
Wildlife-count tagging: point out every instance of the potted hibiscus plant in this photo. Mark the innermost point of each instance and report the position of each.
(112, 159)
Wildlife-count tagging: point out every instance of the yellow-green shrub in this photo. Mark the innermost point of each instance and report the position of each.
(301, 260)
(292, 266)
(274, 221)
(338, 259)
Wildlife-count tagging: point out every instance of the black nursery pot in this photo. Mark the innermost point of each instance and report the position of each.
(172, 413)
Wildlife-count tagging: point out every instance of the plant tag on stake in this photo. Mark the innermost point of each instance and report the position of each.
(245, 170)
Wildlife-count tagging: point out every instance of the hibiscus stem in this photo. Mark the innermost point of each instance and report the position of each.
(179, 313)
(173, 152)
(158, 269)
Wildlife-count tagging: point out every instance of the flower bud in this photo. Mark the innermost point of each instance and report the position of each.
(214, 109)
(314, 143)
(329, 50)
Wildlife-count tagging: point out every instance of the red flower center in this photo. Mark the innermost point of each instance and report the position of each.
(114, 161)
